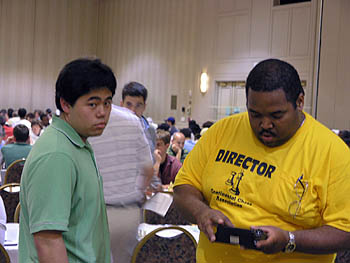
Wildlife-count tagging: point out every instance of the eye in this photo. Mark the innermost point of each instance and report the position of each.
(108, 103)
(277, 116)
(92, 105)
(255, 114)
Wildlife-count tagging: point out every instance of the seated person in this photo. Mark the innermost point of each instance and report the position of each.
(189, 143)
(7, 128)
(17, 147)
(166, 166)
(176, 147)
(35, 131)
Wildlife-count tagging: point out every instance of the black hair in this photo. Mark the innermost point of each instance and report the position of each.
(21, 133)
(30, 115)
(207, 124)
(22, 113)
(2, 120)
(3, 111)
(274, 74)
(42, 115)
(81, 76)
(195, 128)
(187, 132)
(134, 89)
(163, 126)
(10, 112)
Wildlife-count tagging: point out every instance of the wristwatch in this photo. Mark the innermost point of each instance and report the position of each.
(290, 247)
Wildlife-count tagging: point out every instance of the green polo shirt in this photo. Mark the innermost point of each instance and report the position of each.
(61, 189)
(184, 153)
(15, 151)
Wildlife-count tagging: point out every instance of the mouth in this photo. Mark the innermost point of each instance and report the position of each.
(267, 137)
(101, 125)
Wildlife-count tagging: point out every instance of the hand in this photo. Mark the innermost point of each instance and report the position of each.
(175, 148)
(276, 241)
(157, 156)
(208, 218)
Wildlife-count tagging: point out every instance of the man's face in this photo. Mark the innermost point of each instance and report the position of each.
(178, 142)
(135, 104)
(90, 113)
(162, 147)
(273, 119)
(36, 129)
(45, 120)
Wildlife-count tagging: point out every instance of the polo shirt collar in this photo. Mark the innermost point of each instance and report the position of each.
(63, 127)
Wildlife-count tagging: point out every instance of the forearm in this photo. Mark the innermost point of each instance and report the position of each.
(322, 240)
(178, 154)
(50, 247)
(189, 201)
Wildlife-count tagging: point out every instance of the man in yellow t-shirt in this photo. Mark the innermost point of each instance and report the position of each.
(273, 168)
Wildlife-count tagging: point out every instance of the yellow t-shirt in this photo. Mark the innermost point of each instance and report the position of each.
(253, 184)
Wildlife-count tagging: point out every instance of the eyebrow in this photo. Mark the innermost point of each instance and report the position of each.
(98, 98)
(271, 113)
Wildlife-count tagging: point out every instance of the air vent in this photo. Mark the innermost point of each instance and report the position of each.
(288, 2)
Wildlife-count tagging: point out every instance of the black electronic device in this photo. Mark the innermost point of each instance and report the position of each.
(239, 236)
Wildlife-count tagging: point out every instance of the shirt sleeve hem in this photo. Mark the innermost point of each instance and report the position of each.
(48, 226)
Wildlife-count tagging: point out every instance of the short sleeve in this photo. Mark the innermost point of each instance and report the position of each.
(49, 185)
(337, 210)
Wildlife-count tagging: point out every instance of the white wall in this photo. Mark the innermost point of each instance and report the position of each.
(240, 33)
(165, 44)
(37, 37)
(152, 42)
(334, 88)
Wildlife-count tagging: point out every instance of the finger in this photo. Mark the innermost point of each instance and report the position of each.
(210, 233)
(227, 222)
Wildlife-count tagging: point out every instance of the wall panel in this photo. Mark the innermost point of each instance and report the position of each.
(37, 38)
(260, 28)
(334, 82)
(280, 32)
(154, 43)
(64, 30)
(241, 36)
(16, 56)
(300, 31)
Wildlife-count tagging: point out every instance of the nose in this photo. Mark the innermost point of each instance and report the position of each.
(102, 111)
(266, 124)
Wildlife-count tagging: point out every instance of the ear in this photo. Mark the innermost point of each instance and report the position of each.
(65, 105)
(300, 102)
(121, 103)
(167, 145)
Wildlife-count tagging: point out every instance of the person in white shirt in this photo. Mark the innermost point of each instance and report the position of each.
(124, 159)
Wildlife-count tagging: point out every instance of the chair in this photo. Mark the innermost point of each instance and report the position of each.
(343, 257)
(154, 248)
(10, 195)
(17, 211)
(172, 217)
(14, 172)
(4, 257)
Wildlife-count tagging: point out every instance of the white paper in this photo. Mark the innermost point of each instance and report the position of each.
(11, 234)
(159, 203)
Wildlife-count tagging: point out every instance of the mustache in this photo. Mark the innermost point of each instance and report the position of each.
(262, 132)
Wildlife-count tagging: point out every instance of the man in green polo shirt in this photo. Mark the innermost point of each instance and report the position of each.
(63, 216)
